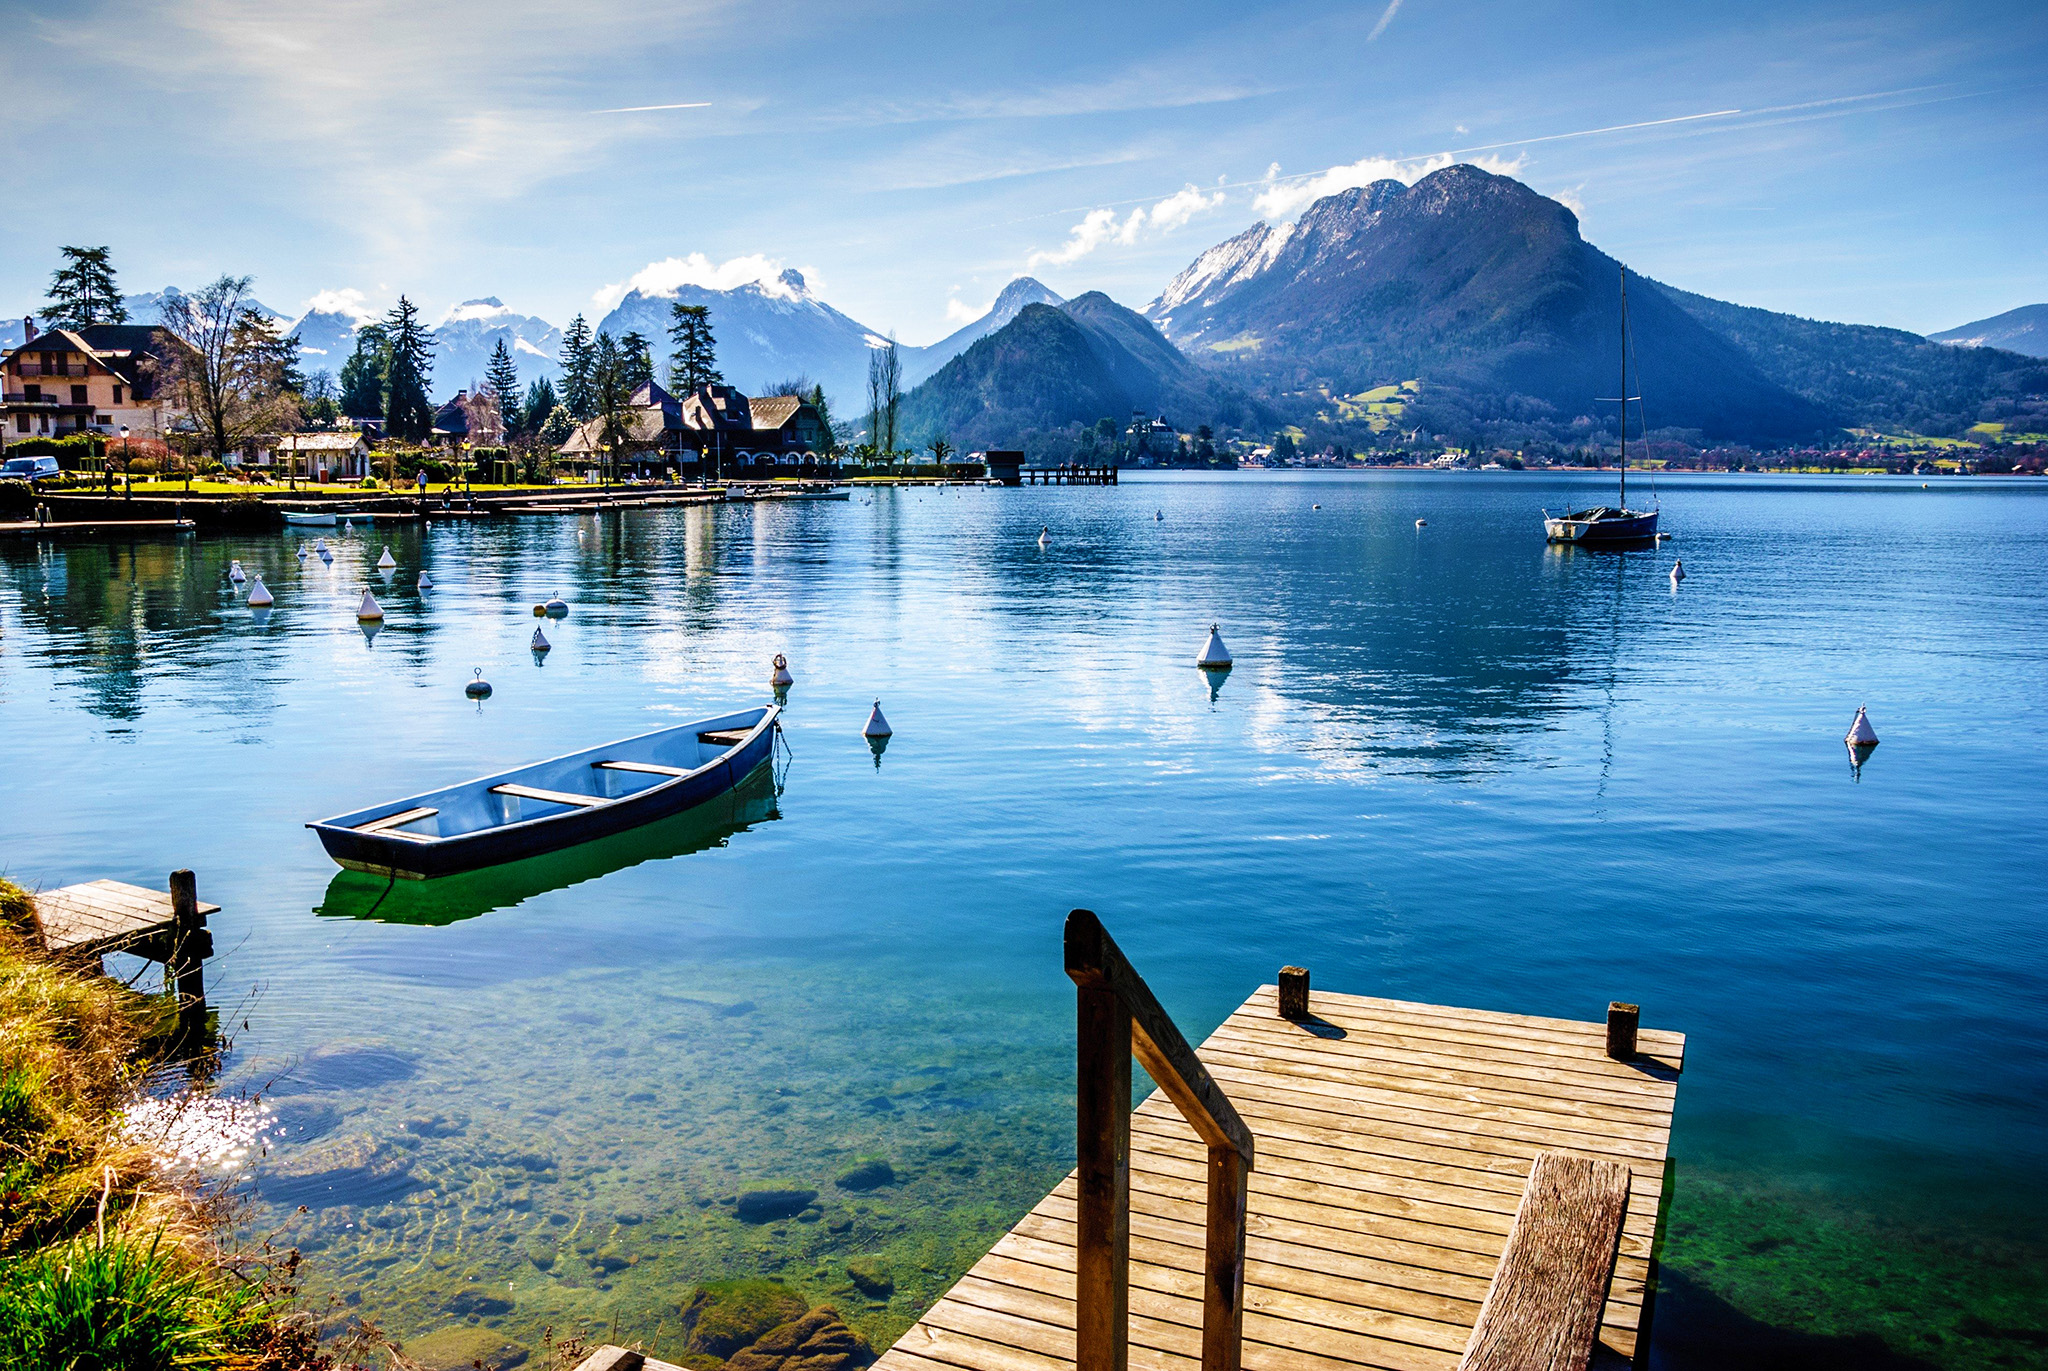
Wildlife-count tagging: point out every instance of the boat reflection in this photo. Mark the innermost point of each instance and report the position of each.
(450, 899)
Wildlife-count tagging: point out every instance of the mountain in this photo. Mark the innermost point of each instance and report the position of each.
(1475, 283)
(2023, 330)
(1021, 292)
(147, 307)
(464, 338)
(767, 331)
(327, 337)
(1053, 367)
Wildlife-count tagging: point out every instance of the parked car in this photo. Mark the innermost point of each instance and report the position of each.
(27, 468)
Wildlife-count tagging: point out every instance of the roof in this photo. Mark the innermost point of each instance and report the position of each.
(320, 442)
(773, 411)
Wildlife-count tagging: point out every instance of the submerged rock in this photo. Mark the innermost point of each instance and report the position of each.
(346, 1171)
(868, 1175)
(724, 1316)
(462, 1347)
(764, 1204)
(819, 1341)
(871, 1277)
(351, 1068)
(478, 1299)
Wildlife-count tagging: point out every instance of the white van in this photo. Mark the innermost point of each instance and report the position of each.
(27, 468)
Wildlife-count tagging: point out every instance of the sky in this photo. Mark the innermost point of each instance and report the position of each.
(1870, 163)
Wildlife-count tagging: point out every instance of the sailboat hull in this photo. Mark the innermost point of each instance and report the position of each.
(1594, 527)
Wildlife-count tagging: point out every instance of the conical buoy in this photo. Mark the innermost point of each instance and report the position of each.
(1044, 534)
(1677, 572)
(556, 606)
(303, 554)
(1315, 506)
(1158, 516)
(479, 688)
(426, 581)
(781, 676)
(1422, 523)
(540, 641)
(369, 608)
(236, 574)
(877, 726)
(387, 561)
(1861, 734)
(260, 596)
(326, 556)
(319, 545)
(1214, 654)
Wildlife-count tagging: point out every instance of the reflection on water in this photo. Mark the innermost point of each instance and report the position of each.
(358, 895)
(1449, 765)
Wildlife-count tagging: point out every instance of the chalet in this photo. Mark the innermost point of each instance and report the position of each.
(714, 430)
(96, 379)
(324, 456)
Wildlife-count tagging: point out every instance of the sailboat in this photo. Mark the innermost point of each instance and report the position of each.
(1616, 523)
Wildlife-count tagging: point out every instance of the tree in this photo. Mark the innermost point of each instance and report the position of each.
(831, 439)
(362, 375)
(611, 391)
(540, 403)
(576, 363)
(638, 355)
(885, 398)
(486, 421)
(694, 362)
(83, 291)
(556, 428)
(319, 400)
(407, 412)
(226, 368)
(501, 378)
(940, 449)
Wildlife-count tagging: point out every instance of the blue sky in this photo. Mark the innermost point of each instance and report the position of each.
(1885, 165)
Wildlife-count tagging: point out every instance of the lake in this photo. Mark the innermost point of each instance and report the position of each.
(1451, 765)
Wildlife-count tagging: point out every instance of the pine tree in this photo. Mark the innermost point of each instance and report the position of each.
(638, 359)
(502, 379)
(576, 365)
(407, 412)
(694, 363)
(362, 375)
(540, 403)
(83, 291)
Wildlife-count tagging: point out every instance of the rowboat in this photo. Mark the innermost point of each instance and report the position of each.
(310, 518)
(547, 806)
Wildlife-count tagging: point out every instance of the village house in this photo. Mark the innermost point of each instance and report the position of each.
(97, 379)
(713, 429)
(323, 456)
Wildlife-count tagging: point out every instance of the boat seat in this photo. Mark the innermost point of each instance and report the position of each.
(390, 821)
(560, 797)
(649, 767)
(725, 737)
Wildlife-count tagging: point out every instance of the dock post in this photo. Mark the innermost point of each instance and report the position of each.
(186, 964)
(1294, 993)
(1622, 1020)
(1102, 1258)
(1223, 1259)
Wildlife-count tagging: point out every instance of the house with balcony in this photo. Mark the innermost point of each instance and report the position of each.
(714, 429)
(97, 379)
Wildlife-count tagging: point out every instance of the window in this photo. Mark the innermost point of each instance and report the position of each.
(31, 393)
(117, 395)
(78, 396)
(103, 420)
(21, 423)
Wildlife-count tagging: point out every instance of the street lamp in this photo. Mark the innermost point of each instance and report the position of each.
(604, 458)
(124, 462)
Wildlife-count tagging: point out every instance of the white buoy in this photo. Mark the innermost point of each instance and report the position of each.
(260, 596)
(1214, 654)
(781, 676)
(1044, 534)
(426, 581)
(555, 607)
(1422, 523)
(326, 556)
(1861, 734)
(1677, 572)
(369, 608)
(236, 574)
(1158, 516)
(387, 561)
(478, 688)
(303, 554)
(319, 545)
(1315, 506)
(540, 641)
(877, 726)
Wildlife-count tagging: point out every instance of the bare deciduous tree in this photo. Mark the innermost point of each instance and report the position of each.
(229, 370)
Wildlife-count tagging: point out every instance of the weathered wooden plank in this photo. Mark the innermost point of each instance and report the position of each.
(1348, 1011)
(1544, 1308)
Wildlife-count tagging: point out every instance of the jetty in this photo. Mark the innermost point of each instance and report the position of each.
(81, 924)
(1070, 475)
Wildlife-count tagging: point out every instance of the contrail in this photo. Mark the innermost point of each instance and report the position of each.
(643, 109)
(1385, 19)
(1550, 138)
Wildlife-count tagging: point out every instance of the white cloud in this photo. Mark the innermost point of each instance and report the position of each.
(1393, 8)
(473, 310)
(1102, 226)
(350, 302)
(1284, 197)
(672, 273)
(958, 311)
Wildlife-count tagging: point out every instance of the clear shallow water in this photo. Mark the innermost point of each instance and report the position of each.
(1451, 765)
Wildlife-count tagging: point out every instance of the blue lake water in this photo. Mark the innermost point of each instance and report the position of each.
(1450, 765)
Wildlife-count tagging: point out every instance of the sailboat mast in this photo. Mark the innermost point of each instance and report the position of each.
(1624, 389)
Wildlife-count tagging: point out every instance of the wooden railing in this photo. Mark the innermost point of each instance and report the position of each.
(1116, 1016)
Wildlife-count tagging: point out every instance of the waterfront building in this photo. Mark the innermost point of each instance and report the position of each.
(340, 456)
(713, 428)
(96, 379)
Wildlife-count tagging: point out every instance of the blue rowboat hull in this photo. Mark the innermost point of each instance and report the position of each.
(509, 815)
(1595, 526)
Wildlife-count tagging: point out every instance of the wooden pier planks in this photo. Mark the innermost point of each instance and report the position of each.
(1393, 1143)
(83, 922)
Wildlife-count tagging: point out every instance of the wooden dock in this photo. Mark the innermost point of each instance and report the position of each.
(1067, 476)
(1392, 1144)
(80, 924)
